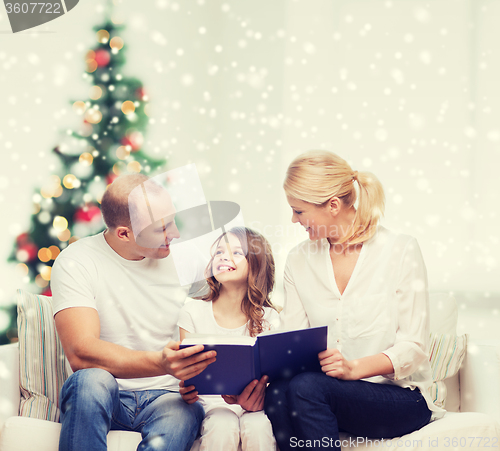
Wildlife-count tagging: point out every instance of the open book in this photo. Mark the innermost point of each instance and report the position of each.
(240, 360)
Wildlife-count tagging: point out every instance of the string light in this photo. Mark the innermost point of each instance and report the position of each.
(44, 255)
(79, 107)
(102, 36)
(70, 181)
(86, 159)
(95, 92)
(52, 188)
(40, 281)
(122, 152)
(46, 272)
(60, 223)
(116, 43)
(54, 252)
(128, 107)
(63, 236)
(134, 166)
(93, 116)
(91, 66)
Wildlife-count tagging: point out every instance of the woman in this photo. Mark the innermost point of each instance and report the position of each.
(369, 285)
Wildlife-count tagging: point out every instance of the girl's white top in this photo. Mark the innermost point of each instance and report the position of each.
(384, 308)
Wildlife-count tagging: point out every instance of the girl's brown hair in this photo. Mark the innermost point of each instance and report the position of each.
(317, 176)
(260, 276)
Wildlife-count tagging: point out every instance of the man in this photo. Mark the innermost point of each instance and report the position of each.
(116, 300)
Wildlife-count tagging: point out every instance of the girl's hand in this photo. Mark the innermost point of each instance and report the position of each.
(188, 394)
(334, 364)
(252, 397)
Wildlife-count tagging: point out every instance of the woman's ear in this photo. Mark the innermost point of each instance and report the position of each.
(334, 205)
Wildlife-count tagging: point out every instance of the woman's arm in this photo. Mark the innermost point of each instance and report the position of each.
(334, 364)
(409, 349)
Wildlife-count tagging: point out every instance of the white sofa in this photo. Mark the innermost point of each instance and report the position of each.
(476, 388)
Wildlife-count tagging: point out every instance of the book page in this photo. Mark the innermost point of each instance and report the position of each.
(202, 339)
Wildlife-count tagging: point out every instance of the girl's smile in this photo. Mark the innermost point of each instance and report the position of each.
(230, 264)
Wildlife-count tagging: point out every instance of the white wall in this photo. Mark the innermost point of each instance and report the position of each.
(406, 89)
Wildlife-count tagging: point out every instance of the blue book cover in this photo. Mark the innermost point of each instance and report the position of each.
(240, 360)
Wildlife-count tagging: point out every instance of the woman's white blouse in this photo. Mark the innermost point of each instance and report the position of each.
(384, 308)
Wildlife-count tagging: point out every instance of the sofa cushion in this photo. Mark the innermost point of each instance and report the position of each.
(42, 367)
(29, 434)
(478, 431)
(446, 354)
(455, 431)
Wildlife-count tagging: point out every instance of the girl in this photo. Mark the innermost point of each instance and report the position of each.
(369, 285)
(240, 278)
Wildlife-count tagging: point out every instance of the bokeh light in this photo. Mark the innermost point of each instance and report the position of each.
(44, 255)
(63, 236)
(86, 159)
(54, 252)
(134, 166)
(93, 116)
(122, 152)
(102, 36)
(60, 223)
(79, 107)
(116, 43)
(70, 181)
(128, 107)
(95, 92)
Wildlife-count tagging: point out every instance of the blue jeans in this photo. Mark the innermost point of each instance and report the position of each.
(314, 406)
(92, 405)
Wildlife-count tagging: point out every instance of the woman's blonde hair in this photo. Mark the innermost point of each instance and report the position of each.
(317, 176)
(260, 260)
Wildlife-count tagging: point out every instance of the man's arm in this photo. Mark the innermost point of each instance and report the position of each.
(79, 331)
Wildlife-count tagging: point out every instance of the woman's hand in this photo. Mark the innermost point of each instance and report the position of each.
(252, 397)
(334, 364)
(188, 394)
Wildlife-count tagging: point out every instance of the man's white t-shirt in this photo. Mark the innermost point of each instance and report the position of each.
(138, 302)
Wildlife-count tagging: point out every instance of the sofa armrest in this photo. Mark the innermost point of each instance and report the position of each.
(9, 382)
(480, 378)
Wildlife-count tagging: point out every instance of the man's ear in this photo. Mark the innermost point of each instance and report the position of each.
(123, 233)
(334, 205)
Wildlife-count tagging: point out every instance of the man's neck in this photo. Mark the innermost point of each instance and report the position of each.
(115, 244)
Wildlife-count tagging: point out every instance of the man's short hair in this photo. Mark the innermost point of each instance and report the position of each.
(114, 203)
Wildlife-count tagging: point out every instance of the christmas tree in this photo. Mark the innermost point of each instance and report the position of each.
(108, 143)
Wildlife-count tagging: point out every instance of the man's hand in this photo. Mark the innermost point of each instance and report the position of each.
(334, 364)
(185, 363)
(189, 394)
(252, 397)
